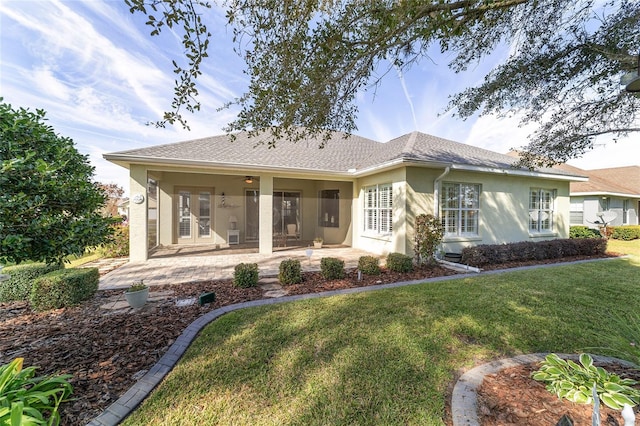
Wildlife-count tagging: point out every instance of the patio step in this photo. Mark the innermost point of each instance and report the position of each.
(272, 287)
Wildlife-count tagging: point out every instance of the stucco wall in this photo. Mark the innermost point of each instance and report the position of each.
(504, 208)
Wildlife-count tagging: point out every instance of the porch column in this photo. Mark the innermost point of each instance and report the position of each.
(138, 232)
(266, 214)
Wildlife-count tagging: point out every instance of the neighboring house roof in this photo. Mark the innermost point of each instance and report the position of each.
(342, 155)
(617, 181)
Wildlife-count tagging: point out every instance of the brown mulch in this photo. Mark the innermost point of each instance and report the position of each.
(106, 351)
(512, 397)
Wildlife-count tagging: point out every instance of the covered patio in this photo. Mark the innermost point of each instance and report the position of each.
(197, 264)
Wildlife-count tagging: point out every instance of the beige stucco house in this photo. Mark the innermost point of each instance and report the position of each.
(355, 192)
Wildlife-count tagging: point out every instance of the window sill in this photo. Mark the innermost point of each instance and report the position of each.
(379, 237)
(458, 238)
(542, 234)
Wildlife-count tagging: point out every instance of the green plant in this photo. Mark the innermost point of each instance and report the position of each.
(245, 275)
(118, 246)
(428, 235)
(290, 272)
(583, 232)
(574, 382)
(318, 240)
(398, 262)
(332, 268)
(136, 286)
(28, 400)
(21, 277)
(64, 288)
(626, 233)
(369, 265)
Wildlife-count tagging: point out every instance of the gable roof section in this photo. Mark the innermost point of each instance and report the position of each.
(344, 155)
(619, 181)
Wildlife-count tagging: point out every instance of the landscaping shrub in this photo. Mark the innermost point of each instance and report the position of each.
(527, 251)
(245, 275)
(583, 232)
(332, 268)
(63, 288)
(428, 235)
(626, 233)
(369, 265)
(398, 262)
(119, 245)
(21, 277)
(29, 400)
(290, 272)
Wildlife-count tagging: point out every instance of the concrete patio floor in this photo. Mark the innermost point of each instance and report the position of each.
(160, 270)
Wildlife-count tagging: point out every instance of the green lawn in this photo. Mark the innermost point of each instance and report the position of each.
(388, 356)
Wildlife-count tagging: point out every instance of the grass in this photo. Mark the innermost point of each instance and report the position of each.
(388, 356)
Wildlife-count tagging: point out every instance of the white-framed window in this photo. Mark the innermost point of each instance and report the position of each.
(460, 208)
(378, 209)
(541, 203)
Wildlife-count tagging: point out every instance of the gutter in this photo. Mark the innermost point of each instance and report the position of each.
(436, 192)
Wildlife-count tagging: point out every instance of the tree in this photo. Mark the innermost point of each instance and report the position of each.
(113, 194)
(308, 59)
(49, 208)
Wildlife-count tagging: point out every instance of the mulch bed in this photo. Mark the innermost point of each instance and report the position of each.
(512, 397)
(107, 351)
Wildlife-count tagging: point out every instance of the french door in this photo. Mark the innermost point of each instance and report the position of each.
(193, 215)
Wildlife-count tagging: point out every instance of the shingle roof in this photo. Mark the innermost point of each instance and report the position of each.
(617, 180)
(341, 153)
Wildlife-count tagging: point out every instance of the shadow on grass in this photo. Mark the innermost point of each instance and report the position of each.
(387, 356)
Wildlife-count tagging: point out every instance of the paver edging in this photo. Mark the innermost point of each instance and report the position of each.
(119, 410)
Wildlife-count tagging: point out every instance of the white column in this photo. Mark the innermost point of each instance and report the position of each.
(138, 232)
(266, 214)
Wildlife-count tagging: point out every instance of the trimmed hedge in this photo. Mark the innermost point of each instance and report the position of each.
(64, 288)
(369, 265)
(583, 232)
(290, 272)
(21, 277)
(627, 233)
(245, 275)
(526, 250)
(398, 262)
(332, 268)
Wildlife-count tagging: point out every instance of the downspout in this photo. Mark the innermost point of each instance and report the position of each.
(436, 192)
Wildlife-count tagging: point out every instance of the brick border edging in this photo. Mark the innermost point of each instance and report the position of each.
(124, 405)
(464, 407)
(121, 408)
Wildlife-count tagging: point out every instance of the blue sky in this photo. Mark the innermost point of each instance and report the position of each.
(99, 75)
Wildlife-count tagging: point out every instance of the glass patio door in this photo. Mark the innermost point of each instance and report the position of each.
(286, 213)
(194, 215)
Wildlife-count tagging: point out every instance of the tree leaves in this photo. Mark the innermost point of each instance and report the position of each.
(308, 60)
(49, 208)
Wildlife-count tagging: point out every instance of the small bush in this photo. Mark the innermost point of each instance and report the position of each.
(583, 232)
(21, 277)
(487, 254)
(119, 245)
(398, 262)
(369, 265)
(290, 272)
(246, 275)
(64, 288)
(428, 235)
(626, 233)
(332, 268)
